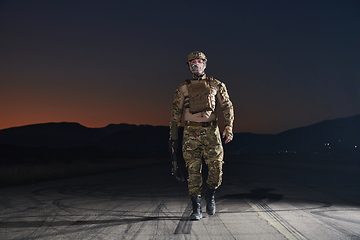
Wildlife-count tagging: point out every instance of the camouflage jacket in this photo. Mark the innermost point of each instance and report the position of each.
(218, 91)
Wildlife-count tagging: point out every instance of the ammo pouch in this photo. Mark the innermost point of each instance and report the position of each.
(200, 99)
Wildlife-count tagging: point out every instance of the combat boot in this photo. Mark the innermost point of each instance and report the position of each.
(196, 204)
(210, 201)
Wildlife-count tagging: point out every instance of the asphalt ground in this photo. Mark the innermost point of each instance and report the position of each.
(254, 202)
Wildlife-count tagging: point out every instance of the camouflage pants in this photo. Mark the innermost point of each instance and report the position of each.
(202, 143)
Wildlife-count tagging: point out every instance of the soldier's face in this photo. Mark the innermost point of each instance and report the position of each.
(197, 66)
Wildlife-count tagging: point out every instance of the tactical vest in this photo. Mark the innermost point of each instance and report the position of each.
(199, 98)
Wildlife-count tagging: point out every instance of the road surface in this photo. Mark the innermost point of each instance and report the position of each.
(254, 202)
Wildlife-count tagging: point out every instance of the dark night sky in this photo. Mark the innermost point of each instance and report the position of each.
(286, 63)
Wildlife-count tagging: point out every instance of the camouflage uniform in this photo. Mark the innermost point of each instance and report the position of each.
(202, 142)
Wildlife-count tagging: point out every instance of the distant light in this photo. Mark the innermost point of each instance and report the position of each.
(355, 146)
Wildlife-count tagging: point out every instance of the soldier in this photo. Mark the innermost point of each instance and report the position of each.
(196, 101)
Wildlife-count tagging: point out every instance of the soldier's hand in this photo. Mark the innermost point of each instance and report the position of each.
(228, 134)
(173, 145)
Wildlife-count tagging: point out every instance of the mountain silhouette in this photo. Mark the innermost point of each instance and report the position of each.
(62, 134)
(341, 136)
(72, 140)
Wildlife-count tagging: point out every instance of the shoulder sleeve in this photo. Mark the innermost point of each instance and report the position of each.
(226, 105)
(177, 107)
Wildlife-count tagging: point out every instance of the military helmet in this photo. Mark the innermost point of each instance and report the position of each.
(196, 55)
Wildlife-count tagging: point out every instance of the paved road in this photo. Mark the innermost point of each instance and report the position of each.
(254, 202)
